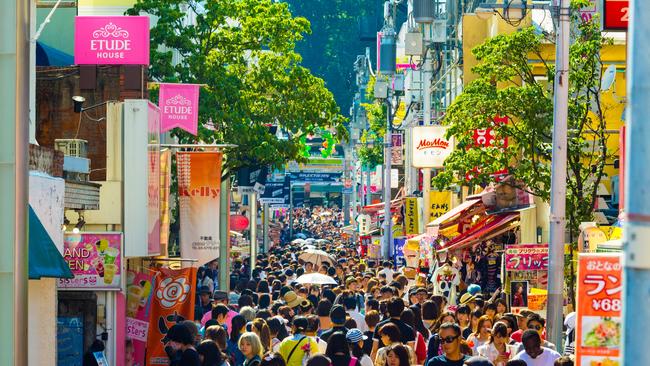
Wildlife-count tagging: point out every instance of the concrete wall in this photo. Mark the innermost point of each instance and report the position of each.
(41, 327)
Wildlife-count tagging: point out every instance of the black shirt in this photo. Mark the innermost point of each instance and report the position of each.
(443, 361)
(407, 333)
(367, 346)
(328, 333)
(190, 358)
(466, 332)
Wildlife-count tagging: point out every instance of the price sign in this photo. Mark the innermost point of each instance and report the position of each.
(598, 330)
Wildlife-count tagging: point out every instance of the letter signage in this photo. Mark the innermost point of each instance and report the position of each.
(111, 40)
(431, 146)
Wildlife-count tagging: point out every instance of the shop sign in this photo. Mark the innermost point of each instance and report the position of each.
(139, 292)
(598, 326)
(136, 329)
(439, 204)
(527, 257)
(95, 259)
(111, 40)
(179, 107)
(273, 193)
(364, 222)
(397, 152)
(430, 146)
(398, 249)
(616, 14)
(412, 217)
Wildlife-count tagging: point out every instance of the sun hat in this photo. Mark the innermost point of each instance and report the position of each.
(220, 295)
(292, 299)
(467, 298)
(355, 335)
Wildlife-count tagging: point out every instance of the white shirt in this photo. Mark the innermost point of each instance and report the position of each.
(490, 352)
(365, 361)
(547, 358)
(445, 280)
(389, 274)
(359, 319)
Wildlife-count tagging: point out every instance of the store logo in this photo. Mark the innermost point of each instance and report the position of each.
(111, 40)
(178, 107)
(172, 291)
(436, 143)
(110, 30)
(203, 191)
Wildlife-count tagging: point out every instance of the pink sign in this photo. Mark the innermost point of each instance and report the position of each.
(111, 40)
(527, 257)
(139, 291)
(179, 107)
(153, 179)
(94, 259)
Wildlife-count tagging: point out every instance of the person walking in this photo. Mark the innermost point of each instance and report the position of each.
(398, 356)
(356, 339)
(497, 350)
(251, 347)
(298, 346)
(338, 351)
(181, 341)
(482, 334)
(534, 354)
(450, 338)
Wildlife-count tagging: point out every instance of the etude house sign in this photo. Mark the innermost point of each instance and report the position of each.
(430, 146)
(111, 40)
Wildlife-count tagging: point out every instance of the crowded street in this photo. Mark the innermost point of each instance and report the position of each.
(324, 182)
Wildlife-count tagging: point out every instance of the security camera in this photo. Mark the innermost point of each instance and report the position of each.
(78, 103)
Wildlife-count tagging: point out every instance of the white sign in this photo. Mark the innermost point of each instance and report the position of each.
(430, 146)
(364, 224)
(136, 329)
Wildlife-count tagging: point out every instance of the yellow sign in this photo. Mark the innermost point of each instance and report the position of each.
(439, 204)
(412, 217)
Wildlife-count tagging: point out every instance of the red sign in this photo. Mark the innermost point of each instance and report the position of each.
(238, 222)
(616, 14)
(527, 257)
(598, 326)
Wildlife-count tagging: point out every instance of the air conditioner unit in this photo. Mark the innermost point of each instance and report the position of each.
(72, 147)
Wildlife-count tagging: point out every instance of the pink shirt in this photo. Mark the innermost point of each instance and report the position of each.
(231, 314)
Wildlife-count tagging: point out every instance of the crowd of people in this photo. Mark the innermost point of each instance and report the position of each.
(313, 222)
(373, 316)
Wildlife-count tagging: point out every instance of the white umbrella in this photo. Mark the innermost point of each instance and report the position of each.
(308, 246)
(298, 241)
(322, 241)
(310, 240)
(316, 279)
(317, 257)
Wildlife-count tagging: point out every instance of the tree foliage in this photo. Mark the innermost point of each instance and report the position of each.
(243, 51)
(371, 153)
(508, 84)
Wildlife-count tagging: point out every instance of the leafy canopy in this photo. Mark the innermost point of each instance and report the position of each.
(243, 51)
(510, 85)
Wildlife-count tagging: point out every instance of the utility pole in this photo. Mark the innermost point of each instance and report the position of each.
(265, 212)
(388, 144)
(252, 201)
(636, 270)
(224, 235)
(426, 100)
(558, 176)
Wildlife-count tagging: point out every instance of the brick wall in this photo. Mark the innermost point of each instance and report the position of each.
(55, 116)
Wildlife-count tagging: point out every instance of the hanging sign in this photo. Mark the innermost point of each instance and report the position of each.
(439, 204)
(172, 302)
(95, 259)
(199, 185)
(397, 149)
(430, 146)
(411, 218)
(111, 40)
(527, 257)
(598, 325)
(139, 291)
(616, 14)
(179, 107)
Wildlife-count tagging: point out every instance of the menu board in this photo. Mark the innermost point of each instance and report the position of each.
(94, 259)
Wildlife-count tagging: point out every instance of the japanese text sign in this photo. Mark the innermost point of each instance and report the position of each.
(94, 259)
(431, 147)
(527, 257)
(111, 40)
(411, 218)
(179, 107)
(598, 326)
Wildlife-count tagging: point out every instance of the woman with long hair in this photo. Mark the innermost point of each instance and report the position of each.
(251, 347)
(210, 354)
(390, 335)
(218, 335)
(238, 327)
(497, 349)
(356, 339)
(398, 356)
(482, 334)
(260, 328)
(408, 317)
(430, 313)
(502, 306)
(338, 351)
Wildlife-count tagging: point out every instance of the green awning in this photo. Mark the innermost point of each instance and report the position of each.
(45, 260)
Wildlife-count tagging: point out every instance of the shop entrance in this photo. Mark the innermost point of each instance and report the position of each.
(76, 326)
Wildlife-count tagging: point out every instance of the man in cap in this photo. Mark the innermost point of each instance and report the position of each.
(338, 318)
(205, 303)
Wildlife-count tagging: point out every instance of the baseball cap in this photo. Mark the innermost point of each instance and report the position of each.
(337, 314)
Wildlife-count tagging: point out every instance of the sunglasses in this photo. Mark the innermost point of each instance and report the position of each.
(449, 339)
(536, 327)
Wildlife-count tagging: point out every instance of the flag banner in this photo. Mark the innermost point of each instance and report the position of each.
(199, 184)
(139, 292)
(172, 302)
(165, 184)
(412, 216)
(439, 204)
(179, 107)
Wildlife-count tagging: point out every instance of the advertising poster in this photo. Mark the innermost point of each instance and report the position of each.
(398, 250)
(519, 294)
(199, 184)
(412, 217)
(165, 185)
(172, 302)
(598, 328)
(179, 107)
(95, 259)
(139, 291)
(111, 40)
(527, 257)
(439, 204)
(397, 149)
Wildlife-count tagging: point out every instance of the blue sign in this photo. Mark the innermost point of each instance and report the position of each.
(398, 249)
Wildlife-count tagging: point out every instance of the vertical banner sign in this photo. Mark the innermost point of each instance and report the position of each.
(172, 302)
(165, 185)
(439, 204)
(411, 218)
(199, 183)
(95, 259)
(111, 40)
(397, 151)
(179, 107)
(153, 179)
(139, 292)
(399, 244)
(598, 327)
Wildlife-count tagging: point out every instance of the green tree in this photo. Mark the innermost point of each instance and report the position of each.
(243, 51)
(509, 85)
(371, 153)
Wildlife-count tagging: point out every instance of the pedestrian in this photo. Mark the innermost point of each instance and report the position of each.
(312, 330)
(318, 360)
(218, 335)
(482, 334)
(273, 359)
(420, 348)
(564, 361)
(338, 351)
(259, 327)
(536, 322)
(338, 319)
(251, 347)
(434, 346)
(181, 341)
(210, 354)
(356, 339)
(394, 308)
(239, 327)
(450, 337)
(298, 346)
(463, 315)
(398, 356)
(372, 319)
(534, 354)
(390, 336)
(204, 305)
(478, 361)
(497, 350)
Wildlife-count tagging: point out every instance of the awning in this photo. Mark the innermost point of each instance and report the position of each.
(378, 208)
(454, 212)
(45, 260)
(487, 228)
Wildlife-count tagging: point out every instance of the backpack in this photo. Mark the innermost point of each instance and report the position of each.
(354, 361)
